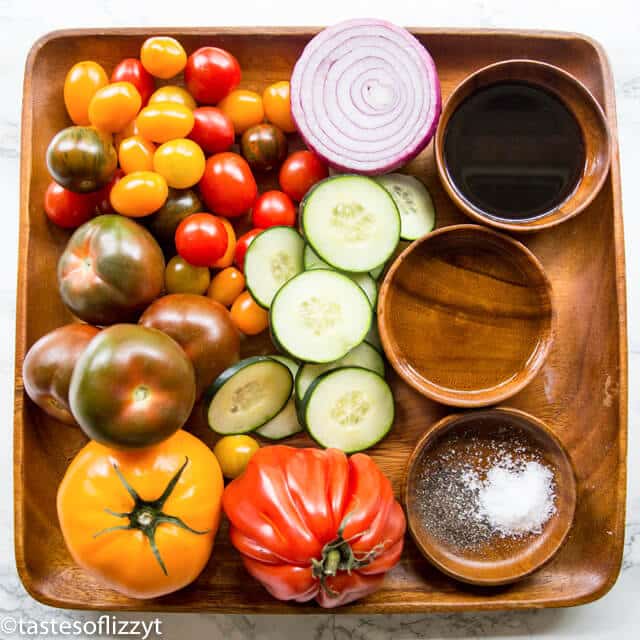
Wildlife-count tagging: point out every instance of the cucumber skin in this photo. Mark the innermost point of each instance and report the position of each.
(272, 439)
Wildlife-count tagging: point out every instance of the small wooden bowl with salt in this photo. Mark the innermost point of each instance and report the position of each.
(490, 495)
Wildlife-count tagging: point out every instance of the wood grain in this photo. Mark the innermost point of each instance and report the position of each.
(580, 392)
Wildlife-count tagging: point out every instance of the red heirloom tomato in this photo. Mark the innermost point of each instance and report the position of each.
(131, 70)
(211, 74)
(300, 171)
(201, 239)
(228, 186)
(315, 524)
(68, 209)
(273, 209)
(212, 129)
(242, 245)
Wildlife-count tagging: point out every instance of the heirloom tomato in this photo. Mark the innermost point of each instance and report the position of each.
(201, 239)
(163, 57)
(227, 185)
(180, 162)
(68, 209)
(248, 316)
(211, 74)
(182, 277)
(164, 121)
(131, 70)
(173, 93)
(180, 204)
(212, 130)
(114, 106)
(244, 108)
(277, 105)
(226, 286)
(299, 172)
(136, 154)
(263, 146)
(139, 194)
(273, 209)
(233, 454)
(80, 85)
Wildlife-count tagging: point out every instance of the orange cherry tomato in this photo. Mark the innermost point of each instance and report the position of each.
(248, 316)
(130, 130)
(226, 286)
(163, 57)
(227, 258)
(139, 194)
(180, 162)
(244, 108)
(114, 106)
(80, 85)
(277, 106)
(164, 121)
(174, 94)
(136, 154)
(182, 277)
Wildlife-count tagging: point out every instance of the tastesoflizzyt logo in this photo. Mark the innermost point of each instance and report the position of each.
(106, 625)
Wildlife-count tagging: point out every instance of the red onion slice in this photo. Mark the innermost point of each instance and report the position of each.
(365, 96)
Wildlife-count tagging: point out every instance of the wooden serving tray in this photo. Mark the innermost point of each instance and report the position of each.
(581, 392)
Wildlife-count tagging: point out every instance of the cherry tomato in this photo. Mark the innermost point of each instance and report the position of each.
(80, 85)
(164, 121)
(277, 105)
(212, 129)
(201, 239)
(139, 194)
(163, 57)
(131, 70)
(242, 245)
(174, 94)
(227, 258)
(136, 154)
(68, 209)
(226, 286)
(244, 108)
(180, 162)
(130, 130)
(248, 316)
(103, 196)
(300, 171)
(233, 454)
(263, 146)
(211, 74)
(228, 186)
(114, 106)
(182, 277)
(273, 209)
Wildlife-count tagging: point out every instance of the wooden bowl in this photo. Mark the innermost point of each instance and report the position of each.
(576, 98)
(501, 560)
(465, 316)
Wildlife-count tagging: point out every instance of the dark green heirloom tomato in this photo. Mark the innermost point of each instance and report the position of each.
(263, 146)
(110, 270)
(81, 159)
(132, 387)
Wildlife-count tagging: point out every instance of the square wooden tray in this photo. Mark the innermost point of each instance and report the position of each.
(581, 391)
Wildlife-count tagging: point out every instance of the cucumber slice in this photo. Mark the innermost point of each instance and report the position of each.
(364, 355)
(378, 271)
(273, 258)
(349, 409)
(351, 222)
(292, 365)
(417, 213)
(312, 260)
(373, 336)
(319, 316)
(248, 394)
(285, 424)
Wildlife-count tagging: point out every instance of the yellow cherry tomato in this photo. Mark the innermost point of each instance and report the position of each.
(136, 154)
(114, 106)
(182, 277)
(244, 108)
(130, 130)
(277, 106)
(175, 94)
(248, 316)
(139, 194)
(180, 162)
(227, 258)
(80, 85)
(233, 454)
(164, 121)
(163, 57)
(226, 286)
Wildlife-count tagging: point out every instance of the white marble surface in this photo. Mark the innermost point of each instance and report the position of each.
(615, 23)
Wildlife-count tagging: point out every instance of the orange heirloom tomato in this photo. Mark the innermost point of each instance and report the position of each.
(175, 94)
(163, 57)
(180, 162)
(277, 106)
(227, 258)
(143, 522)
(182, 277)
(136, 154)
(248, 316)
(164, 121)
(80, 85)
(244, 108)
(114, 106)
(139, 194)
(226, 286)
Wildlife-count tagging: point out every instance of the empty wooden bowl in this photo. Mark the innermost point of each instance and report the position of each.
(465, 316)
(579, 102)
(471, 440)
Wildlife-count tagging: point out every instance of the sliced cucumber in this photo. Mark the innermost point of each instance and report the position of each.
(364, 355)
(319, 316)
(351, 222)
(312, 260)
(377, 272)
(373, 336)
(417, 213)
(248, 394)
(349, 409)
(273, 258)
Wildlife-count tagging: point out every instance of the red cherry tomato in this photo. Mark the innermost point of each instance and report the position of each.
(212, 129)
(131, 70)
(228, 186)
(68, 209)
(273, 209)
(103, 196)
(211, 74)
(242, 245)
(300, 171)
(201, 239)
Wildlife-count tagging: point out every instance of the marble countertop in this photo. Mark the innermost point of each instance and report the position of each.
(616, 24)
